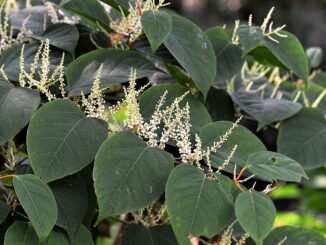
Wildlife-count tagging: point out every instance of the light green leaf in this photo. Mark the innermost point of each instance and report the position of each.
(303, 138)
(157, 25)
(137, 174)
(247, 143)
(294, 236)
(198, 113)
(38, 202)
(193, 50)
(265, 111)
(138, 234)
(116, 68)
(275, 166)
(256, 214)
(196, 205)
(16, 108)
(228, 56)
(61, 140)
(62, 36)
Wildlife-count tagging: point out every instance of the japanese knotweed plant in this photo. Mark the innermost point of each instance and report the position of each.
(92, 135)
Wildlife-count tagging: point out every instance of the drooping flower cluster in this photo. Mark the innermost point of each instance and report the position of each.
(130, 25)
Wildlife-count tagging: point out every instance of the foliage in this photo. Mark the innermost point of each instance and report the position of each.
(91, 134)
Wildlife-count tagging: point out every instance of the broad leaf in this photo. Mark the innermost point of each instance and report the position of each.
(38, 202)
(116, 68)
(137, 174)
(256, 214)
(265, 111)
(157, 25)
(83, 237)
(72, 201)
(303, 138)
(62, 36)
(247, 143)
(315, 56)
(155, 235)
(198, 113)
(290, 235)
(4, 211)
(228, 56)
(61, 140)
(250, 37)
(196, 205)
(16, 108)
(193, 50)
(275, 166)
(21, 233)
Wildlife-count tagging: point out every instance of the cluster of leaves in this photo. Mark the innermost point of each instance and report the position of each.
(73, 152)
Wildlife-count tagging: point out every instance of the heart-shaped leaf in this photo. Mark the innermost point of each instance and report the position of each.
(61, 140)
(303, 138)
(38, 202)
(157, 25)
(193, 50)
(137, 174)
(196, 205)
(275, 166)
(256, 214)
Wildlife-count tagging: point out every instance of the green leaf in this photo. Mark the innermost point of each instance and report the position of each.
(61, 35)
(61, 140)
(193, 50)
(10, 60)
(303, 138)
(38, 202)
(4, 211)
(250, 37)
(265, 111)
(83, 237)
(21, 233)
(138, 234)
(228, 56)
(56, 238)
(294, 235)
(16, 108)
(291, 53)
(315, 56)
(247, 143)
(256, 214)
(116, 68)
(72, 201)
(275, 166)
(137, 174)
(117, 4)
(196, 205)
(157, 25)
(198, 113)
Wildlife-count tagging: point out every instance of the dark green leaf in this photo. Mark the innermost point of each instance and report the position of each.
(291, 235)
(38, 202)
(250, 37)
(265, 111)
(196, 205)
(16, 108)
(62, 36)
(83, 237)
(247, 143)
(116, 68)
(315, 56)
(117, 4)
(56, 238)
(198, 113)
(275, 166)
(157, 25)
(21, 233)
(61, 140)
(137, 174)
(193, 50)
(72, 201)
(4, 211)
(303, 138)
(256, 214)
(228, 56)
(155, 235)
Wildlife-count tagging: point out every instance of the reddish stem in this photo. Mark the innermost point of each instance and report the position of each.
(7, 176)
(240, 174)
(139, 8)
